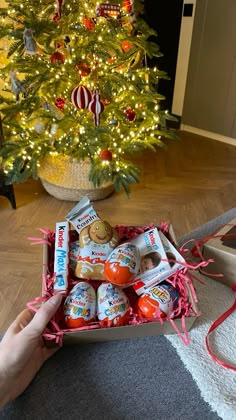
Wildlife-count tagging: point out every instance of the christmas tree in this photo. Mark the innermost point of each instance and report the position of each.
(77, 84)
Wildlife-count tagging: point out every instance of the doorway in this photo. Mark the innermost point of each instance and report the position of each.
(165, 17)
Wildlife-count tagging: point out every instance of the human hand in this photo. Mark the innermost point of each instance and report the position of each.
(23, 351)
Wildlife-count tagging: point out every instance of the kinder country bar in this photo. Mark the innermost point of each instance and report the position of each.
(82, 215)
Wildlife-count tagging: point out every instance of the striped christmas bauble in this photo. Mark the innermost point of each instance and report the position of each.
(96, 107)
(81, 97)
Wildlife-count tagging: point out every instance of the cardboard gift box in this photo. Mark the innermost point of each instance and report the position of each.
(150, 328)
(222, 249)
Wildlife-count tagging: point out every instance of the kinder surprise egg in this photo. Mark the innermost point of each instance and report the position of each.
(159, 301)
(122, 265)
(113, 306)
(80, 305)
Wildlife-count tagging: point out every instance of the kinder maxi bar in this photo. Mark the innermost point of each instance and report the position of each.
(61, 257)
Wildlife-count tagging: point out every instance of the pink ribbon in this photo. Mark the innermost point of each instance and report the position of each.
(39, 241)
(215, 324)
(196, 248)
(185, 338)
(196, 252)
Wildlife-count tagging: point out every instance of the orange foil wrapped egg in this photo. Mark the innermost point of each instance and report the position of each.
(112, 305)
(158, 302)
(80, 306)
(122, 265)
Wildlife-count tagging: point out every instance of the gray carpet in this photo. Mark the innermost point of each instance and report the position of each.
(133, 379)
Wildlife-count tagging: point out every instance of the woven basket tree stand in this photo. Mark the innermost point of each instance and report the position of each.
(68, 179)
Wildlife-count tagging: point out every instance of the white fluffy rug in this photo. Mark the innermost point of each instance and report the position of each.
(216, 383)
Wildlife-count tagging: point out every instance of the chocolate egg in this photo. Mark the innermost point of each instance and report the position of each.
(159, 301)
(80, 305)
(113, 306)
(122, 265)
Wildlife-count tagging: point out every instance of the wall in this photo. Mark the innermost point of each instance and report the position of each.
(210, 98)
(184, 46)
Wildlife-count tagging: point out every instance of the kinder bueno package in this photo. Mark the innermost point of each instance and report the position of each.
(153, 269)
(96, 240)
(61, 259)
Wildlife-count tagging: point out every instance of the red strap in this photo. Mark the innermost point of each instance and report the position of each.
(195, 249)
(215, 324)
(196, 252)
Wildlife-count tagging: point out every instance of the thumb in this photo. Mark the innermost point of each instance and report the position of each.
(43, 316)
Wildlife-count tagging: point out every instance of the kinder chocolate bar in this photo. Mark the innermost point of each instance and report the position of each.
(152, 269)
(61, 257)
(96, 240)
(172, 254)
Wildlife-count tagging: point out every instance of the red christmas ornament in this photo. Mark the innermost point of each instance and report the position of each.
(126, 46)
(60, 44)
(56, 18)
(106, 155)
(60, 103)
(130, 114)
(57, 57)
(81, 97)
(127, 5)
(89, 23)
(96, 106)
(83, 68)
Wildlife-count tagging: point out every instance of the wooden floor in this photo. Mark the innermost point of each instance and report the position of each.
(188, 185)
